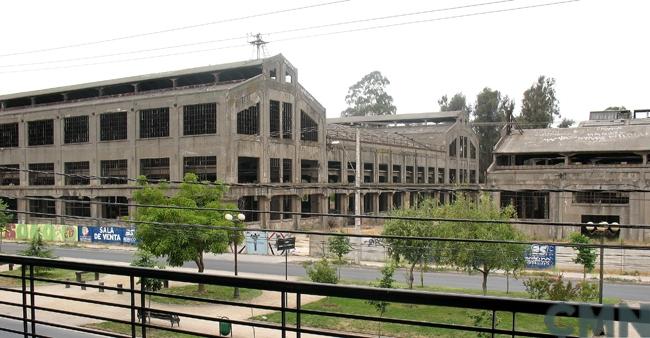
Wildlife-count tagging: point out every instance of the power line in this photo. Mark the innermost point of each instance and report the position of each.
(89, 43)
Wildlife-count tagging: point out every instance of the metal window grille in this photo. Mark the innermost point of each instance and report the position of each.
(40, 132)
(43, 174)
(452, 148)
(113, 171)
(409, 174)
(275, 170)
(155, 168)
(333, 171)
(308, 128)
(441, 175)
(287, 170)
(205, 167)
(431, 175)
(75, 129)
(77, 206)
(113, 126)
(248, 169)
(274, 117)
(601, 197)
(452, 175)
(114, 210)
(42, 206)
(397, 173)
(368, 173)
(8, 135)
(200, 119)
(383, 173)
(420, 174)
(154, 122)
(9, 176)
(287, 120)
(248, 120)
(528, 204)
(79, 169)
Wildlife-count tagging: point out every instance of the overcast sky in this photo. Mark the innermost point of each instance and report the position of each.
(597, 50)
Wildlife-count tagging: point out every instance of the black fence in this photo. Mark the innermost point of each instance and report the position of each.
(29, 287)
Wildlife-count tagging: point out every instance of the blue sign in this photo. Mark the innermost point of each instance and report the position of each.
(256, 243)
(107, 234)
(540, 256)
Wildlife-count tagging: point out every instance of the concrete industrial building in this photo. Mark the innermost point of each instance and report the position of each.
(250, 124)
(598, 171)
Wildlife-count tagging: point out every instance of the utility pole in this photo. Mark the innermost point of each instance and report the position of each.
(357, 193)
(258, 43)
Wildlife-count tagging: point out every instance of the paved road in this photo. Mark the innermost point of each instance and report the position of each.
(44, 330)
(275, 266)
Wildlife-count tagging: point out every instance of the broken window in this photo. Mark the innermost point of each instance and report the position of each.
(155, 168)
(472, 176)
(113, 126)
(114, 207)
(248, 205)
(452, 176)
(114, 171)
(75, 129)
(606, 158)
(397, 200)
(9, 174)
(420, 174)
(527, 204)
(383, 202)
(273, 74)
(397, 173)
(601, 197)
(352, 172)
(309, 171)
(287, 170)
(461, 173)
(41, 174)
(368, 203)
(288, 78)
(472, 151)
(40, 132)
(538, 159)
(452, 148)
(248, 121)
(504, 160)
(287, 120)
(42, 206)
(383, 173)
(280, 204)
(333, 171)
(274, 118)
(200, 119)
(368, 173)
(275, 170)
(205, 167)
(77, 206)
(441, 175)
(431, 177)
(8, 135)
(154, 122)
(248, 169)
(409, 174)
(309, 204)
(308, 128)
(77, 173)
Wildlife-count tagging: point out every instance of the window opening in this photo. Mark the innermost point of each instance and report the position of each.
(527, 204)
(79, 172)
(333, 172)
(452, 148)
(383, 173)
(368, 173)
(42, 174)
(40, 132)
(274, 117)
(10, 175)
(154, 122)
(249, 203)
(8, 135)
(275, 170)
(114, 207)
(205, 167)
(248, 169)
(441, 175)
(114, 171)
(77, 206)
(248, 121)
(287, 170)
(397, 173)
(155, 168)
(42, 206)
(309, 171)
(601, 197)
(113, 126)
(352, 172)
(308, 128)
(409, 174)
(287, 120)
(75, 129)
(200, 119)
(420, 174)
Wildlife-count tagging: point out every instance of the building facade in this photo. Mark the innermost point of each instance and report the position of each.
(596, 172)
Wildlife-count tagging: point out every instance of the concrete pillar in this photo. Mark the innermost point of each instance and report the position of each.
(406, 200)
(174, 81)
(95, 209)
(264, 206)
(3, 105)
(295, 207)
(132, 208)
(60, 209)
(33, 101)
(389, 200)
(216, 77)
(135, 88)
(22, 205)
(375, 203)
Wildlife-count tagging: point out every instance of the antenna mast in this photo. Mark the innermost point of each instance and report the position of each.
(258, 43)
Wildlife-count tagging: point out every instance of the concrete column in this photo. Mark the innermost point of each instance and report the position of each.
(95, 209)
(264, 205)
(295, 207)
(174, 81)
(389, 199)
(216, 76)
(132, 208)
(135, 88)
(375, 203)
(3, 105)
(22, 205)
(60, 209)
(406, 200)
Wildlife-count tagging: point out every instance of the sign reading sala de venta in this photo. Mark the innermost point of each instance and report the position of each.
(540, 256)
(106, 234)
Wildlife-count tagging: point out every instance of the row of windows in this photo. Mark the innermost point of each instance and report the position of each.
(411, 174)
(111, 171)
(198, 119)
(462, 147)
(109, 206)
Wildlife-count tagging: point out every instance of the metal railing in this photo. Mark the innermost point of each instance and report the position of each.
(27, 311)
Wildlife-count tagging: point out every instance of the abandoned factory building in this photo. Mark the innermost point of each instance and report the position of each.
(73, 151)
(596, 172)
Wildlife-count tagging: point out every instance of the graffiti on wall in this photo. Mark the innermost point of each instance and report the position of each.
(50, 232)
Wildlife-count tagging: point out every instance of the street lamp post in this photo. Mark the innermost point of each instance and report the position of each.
(240, 219)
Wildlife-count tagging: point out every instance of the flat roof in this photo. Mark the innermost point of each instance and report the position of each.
(399, 118)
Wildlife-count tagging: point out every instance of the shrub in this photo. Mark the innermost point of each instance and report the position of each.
(555, 288)
(588, 291)
(537, 287)
(483, 318)
(321, 272)
(561, 291)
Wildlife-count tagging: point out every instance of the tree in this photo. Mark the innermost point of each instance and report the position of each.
(339, 246)
(566, 123)
(489, 114)
(386, 282)
(413, 251)
(539, 106)
(458, 102)
(4, 219)
(145, 259)
(38, 248)
(584, 255)
(369, 97)
(514, 262)
(184, 242)
(480, 256)
(321, 272)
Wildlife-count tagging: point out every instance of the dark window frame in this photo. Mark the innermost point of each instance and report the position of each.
(154, 122)
(156, 169)
(113, 126)
(40, 132)
(205, 167)
(41, 174)
(248, 120)
(9, 135)
(111, 171)
(75, 172)
(76, 129)
(200, 119)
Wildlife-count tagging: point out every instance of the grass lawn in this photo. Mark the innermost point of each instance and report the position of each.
(126, 329)
(58, 274)
(211, 292)
(438, 314)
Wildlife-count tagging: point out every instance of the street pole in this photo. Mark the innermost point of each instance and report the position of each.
(286, 265)
(357, 193)
(602, 264)
(236, 292)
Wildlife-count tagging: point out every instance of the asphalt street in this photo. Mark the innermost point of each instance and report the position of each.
(261, 264)
(45, 330)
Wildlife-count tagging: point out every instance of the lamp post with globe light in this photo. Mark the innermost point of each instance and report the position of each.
(239, 219)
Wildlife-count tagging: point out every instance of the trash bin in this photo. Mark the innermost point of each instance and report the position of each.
(225, 328)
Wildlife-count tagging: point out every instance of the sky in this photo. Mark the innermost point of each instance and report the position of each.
(597, 50)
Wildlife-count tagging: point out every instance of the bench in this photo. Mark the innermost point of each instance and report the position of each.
(78, 274)
(171, 317)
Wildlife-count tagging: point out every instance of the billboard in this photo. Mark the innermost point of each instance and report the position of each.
(540, 256)
(107, 234)
(256, 243)
(50, 232)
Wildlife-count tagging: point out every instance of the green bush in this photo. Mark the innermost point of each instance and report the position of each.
(483, 318)
(559, 290)
(537, 287)
(588, 291)
(321, 272)
(555, 288)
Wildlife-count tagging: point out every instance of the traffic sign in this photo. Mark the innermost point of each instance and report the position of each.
(286, 243)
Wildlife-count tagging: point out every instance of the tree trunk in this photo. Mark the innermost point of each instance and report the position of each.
(422, 274)
(381, 314)
(201, 266)
(584, 273)
(410, 276)
(485, 277)
(507, 282)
